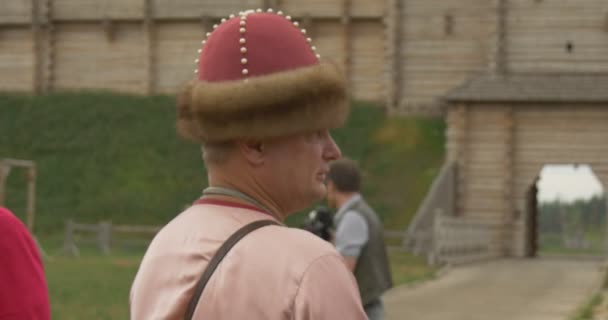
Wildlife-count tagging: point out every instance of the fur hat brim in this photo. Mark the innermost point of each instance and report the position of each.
(301, 100)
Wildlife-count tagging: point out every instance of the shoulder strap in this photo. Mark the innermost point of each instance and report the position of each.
(217, 258)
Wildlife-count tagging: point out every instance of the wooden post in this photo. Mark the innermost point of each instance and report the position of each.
(606, 218)
(346, 35)
(398, 44)
(206, 23)
(4, 170)
(150, 32)
(448, 24)
(501, 67)
(36, 47)
(49, 47)
(31, 197)
(308, 25)
(104, 236)
(461, 158)
(109, 28)
(69, 247)
(271, 4)
(508, 181)
(439, 235)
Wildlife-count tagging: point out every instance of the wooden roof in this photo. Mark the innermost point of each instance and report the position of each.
(586, 88)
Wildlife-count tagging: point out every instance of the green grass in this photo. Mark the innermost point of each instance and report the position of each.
(405, 156)
(553, 244)
(92, 286)
(407, 268)
(586, 312)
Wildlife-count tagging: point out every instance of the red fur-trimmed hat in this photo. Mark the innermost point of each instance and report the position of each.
(259, 76)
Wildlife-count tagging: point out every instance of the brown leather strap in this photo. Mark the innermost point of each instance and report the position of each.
(217, 258)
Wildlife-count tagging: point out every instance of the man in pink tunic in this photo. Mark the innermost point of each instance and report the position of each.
(261, 107)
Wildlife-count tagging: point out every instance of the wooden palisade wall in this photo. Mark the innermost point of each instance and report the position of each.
(149, 46)
(405, 53)
(440, 44)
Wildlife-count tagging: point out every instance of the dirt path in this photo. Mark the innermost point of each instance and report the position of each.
(538, 289)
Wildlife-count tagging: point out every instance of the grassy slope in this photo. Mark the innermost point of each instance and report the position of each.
(115, 157)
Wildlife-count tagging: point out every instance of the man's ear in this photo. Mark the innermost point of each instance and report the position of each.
(253, 151)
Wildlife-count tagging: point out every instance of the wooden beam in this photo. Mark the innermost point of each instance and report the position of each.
(31, 198)
(308, 25)
(448, 24)
(184, 19)
(271, 4)
(109, 28)
(36, 47)
(347, 40)
(5, 167)
(397, 44)
(501, 63)
(463, 158)
(49, 60)
(151, 47)
(4, 170)
(18, 163)
(206, 23)
(508, 179)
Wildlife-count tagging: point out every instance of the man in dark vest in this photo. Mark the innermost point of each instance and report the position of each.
(359, 235)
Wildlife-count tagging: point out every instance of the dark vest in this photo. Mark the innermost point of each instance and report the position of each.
(372, 270)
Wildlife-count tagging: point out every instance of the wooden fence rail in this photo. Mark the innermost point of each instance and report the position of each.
(149, 47)
(101, 234)
(459, 240)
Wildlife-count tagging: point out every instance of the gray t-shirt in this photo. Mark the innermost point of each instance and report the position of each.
(352, 232)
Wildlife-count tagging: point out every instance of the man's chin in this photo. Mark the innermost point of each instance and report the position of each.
(315, 196)
(321, 191)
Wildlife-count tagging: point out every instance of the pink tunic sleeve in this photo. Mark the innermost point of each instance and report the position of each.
(328, 291)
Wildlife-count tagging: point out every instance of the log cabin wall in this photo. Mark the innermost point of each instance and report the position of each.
(501, 148)
(149, 46)
(403, 54)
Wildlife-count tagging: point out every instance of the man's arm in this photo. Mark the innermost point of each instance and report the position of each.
(351, 236)
(328, 291)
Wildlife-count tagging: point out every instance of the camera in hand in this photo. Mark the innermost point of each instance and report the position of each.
(320, 222)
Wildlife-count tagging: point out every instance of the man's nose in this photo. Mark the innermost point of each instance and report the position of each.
(332, 151)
